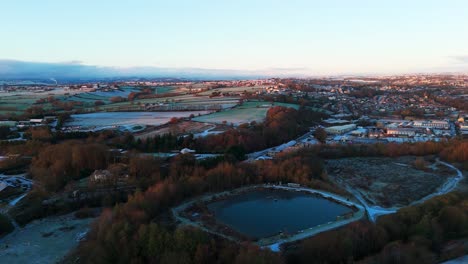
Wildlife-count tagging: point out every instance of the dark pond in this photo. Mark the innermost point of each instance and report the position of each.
(263, 213)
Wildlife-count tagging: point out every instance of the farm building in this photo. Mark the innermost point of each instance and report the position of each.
(359, 132)
(333, 121)
(101, 175)
(335, 130)
(36, 121)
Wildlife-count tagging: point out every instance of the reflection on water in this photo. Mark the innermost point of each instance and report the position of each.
(263, 213)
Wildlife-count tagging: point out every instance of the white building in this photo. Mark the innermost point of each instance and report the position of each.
(440, 124)
(186, 151)
(335, 130)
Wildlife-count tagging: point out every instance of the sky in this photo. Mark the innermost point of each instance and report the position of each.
(308, 37)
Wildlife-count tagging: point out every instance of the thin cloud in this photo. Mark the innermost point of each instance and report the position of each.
(73, 62)
(460, 59)
(12, 69)
(289, 69)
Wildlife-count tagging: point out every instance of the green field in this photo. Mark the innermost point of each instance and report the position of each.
(186, 99)
(17, 104)
(246, 113)
(234, 90)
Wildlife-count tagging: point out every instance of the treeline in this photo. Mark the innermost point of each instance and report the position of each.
(56, 165)
(457, 152)
(416, 234)
(40, 137)
(19, 155)
(382, 149)
(452, 151)
(135, 95)
(5, 225)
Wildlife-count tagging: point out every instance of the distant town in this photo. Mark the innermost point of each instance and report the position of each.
(410, 108)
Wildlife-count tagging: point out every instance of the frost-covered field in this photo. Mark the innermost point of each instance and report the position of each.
(117, 119)
(246, 113)
(122, 93)
(43, 241)
(101, 95)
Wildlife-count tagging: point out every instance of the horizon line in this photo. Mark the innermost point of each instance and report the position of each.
(18, 69)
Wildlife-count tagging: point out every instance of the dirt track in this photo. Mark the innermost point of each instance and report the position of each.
(389, 182)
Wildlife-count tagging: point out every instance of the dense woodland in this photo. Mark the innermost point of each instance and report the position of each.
(138, 228)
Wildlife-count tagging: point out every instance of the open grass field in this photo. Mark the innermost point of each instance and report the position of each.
(125, 119)
(18, 103)
(166, 89)
(246, 113)
(177, 102)
(253, 89)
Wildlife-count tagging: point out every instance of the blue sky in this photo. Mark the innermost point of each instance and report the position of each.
(297, 36)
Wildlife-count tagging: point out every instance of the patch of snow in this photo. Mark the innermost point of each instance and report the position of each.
(16, 200)
(275, 247)
(82, 235)
(121, 119)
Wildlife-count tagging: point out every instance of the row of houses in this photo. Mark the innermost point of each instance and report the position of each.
(402, 131)
(439, 124)
(30, 122)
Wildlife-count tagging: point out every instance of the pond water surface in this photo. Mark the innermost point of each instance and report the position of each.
(264, 213)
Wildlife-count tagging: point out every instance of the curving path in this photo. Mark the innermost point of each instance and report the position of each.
(374, 211)
(274, 244)
(206, 132)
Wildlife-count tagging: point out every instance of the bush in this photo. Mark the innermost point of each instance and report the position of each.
(420, 163)
(85, 212)
(5, 225)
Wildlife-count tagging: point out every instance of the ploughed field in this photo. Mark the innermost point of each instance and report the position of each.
(389, 182)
